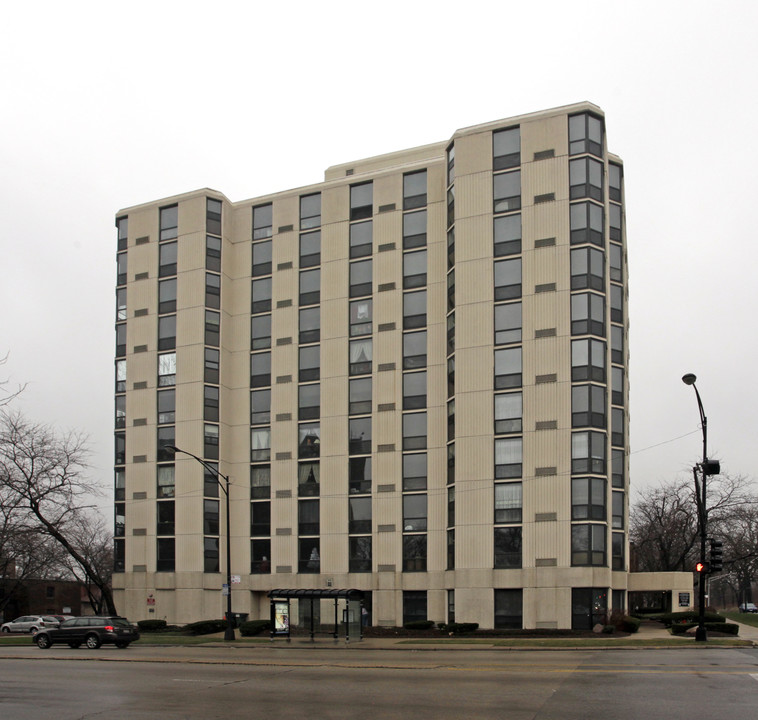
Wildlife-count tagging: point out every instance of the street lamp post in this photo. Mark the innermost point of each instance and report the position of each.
(229, 632)
(707, 467)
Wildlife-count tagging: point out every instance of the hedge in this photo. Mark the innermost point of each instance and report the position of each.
(722, 627)
(419, 625)
(461, 628)
(254, 627)
(691, 616)
(151, 625)
(205, 627)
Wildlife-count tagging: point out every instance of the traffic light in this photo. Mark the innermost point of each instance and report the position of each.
(716, 558)
(701, 568)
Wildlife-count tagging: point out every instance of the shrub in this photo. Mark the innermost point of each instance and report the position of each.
(723, 627)
(461, 628)
(609, 629)
(689, 617)
(149, 626)
(682, 628)
(205, 627)
(254, 627)
(419, 625)
(629, 624)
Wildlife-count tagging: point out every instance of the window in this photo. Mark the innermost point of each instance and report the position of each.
(588, 452)
(586, 179)
(212, 290)
(308, 479)
(451, 164)
(617, 385)
(617, 344)
(211, 362)
(360, 278)
(169, 220)
(508, 279)
(262, 258)
(359, 549)
(507, 547)
(586, 220)
(589, 606)
(508, 503)
(308, 517)
(361, 313)
(506, 190)
(213, 216)
(588, 360)
(309, 440)
(210, 479)
(450, 335)
(585, 134)
(507, 235)
(508, 368)
(165, 555)
(260, 481)
(122, 231)
(166, 482)
(119, 520)
(615, 222)
(121, 269)
(414, 309)
(119, 485)
(414, 350)
(309, 560)
(119, 556)
(617, 426)
(212, 328)
(210, 441)
(587, 314)
(260, 552)
(451, 289)
(121, 374)
(451, 419)
(506, 149)
(260, 406)
(310, 249)
(414, 190)
(309, 363)
(414, 471)
(359, 438)
(508, 457)
(166, 406)
(121, 304)
(166, 439)
(121, 340)
(310, 211)
(414, 390)
(616, 262)
(617, 510)
(509, 609)
(414, 229)
(360, 475)
(165, 516)
(588, 545)
(508, 412)
(310, 325)
(588, 406)
(210, 517)
(309, 401)
(359, 396)
(213, 253)
(617, 467)
(414, 431)
(361, 201)
(617, 552)
(414, 269)
(260, 369)
(361, 239)
(211, 399)
(260, 518)
(450, 205)
(310, 286)
(587, 269)
(166, 260)
(414, 513)
(262, 222)
(361, 354)
(167, 332)
(260, 442)
(507, 323)
(451, 505)
(617, 303)
(261, 294)
(359, 515)
(414, 553)
(120, 449)
(260, 332)
(615, 180)
(588, 499)
(210, 555)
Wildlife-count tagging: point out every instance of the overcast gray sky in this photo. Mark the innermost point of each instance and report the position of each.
(106, 105)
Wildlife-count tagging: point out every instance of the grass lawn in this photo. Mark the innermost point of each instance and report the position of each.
(744, 618)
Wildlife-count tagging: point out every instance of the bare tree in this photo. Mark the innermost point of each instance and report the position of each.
(42, 477)
(7, 395)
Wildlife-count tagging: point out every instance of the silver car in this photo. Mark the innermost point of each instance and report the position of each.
(29, 624)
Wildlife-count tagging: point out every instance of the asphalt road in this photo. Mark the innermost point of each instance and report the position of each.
(261, 683)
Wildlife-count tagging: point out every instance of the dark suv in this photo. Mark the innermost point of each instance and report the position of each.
(91, 631)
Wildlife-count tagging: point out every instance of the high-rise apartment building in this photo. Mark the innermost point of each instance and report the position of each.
(414, 375)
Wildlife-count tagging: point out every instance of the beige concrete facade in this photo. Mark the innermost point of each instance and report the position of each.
(441, 542)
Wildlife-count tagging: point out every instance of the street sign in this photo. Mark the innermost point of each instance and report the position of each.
(236, 579)
(224, 589)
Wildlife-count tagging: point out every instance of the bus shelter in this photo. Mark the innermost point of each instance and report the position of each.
(351, 615)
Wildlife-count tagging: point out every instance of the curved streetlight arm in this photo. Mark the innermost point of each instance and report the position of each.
(208, 467)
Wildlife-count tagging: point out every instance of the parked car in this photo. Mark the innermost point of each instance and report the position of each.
(748, 608)
(30, 623)
(90, 631)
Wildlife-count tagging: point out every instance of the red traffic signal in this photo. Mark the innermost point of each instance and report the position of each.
(700, 567)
